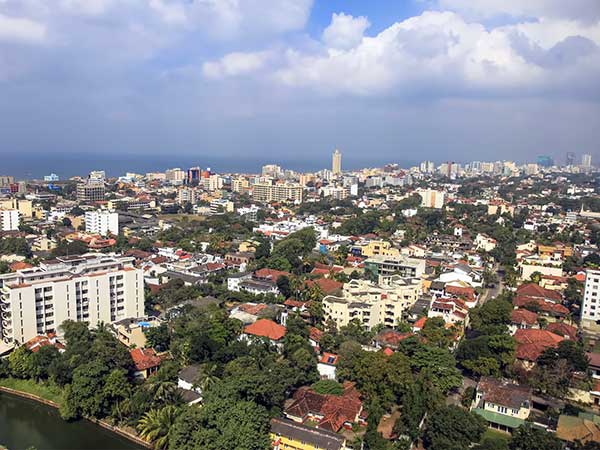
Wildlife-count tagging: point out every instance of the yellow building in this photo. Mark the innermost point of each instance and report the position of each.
(289, 435)
(373, 248)
(25, 207)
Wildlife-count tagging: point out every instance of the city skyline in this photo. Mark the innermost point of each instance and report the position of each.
(184, 78)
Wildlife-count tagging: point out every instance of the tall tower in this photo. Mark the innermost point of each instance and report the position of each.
(586, 160)
(336, 165)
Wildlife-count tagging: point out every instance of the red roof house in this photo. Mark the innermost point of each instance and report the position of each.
(146, 361)
(267, 329)
(531, 343)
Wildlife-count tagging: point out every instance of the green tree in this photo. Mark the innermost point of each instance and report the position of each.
(453, 428)
(527, 437)
(156, 425)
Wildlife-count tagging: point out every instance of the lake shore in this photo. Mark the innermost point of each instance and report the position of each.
(107, 426)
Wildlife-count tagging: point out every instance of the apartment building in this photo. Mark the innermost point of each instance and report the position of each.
(91, 191)
(373, 304)
(92, 288)
(9, 220)
(386, 266)
(102, 222)
(187, 195)
(264, 192)
(432, 199)
(590, 308)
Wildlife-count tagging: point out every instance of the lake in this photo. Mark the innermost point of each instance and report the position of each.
(25, 423)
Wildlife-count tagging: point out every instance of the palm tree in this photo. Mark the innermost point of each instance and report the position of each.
(163, 390)
(207, 377)
(155, 426)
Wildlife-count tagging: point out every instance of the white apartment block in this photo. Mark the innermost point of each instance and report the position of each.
(590, 308)
(264, 192)
(9, 220)
(337, 193)
(432, 199)
(187, 194)
(102, 222)
(373, 304)
(92, 288)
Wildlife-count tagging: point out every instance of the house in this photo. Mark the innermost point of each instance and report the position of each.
(327, 366)
(452, 310)
(289, 435)
(390, 339)
(329, 412)
(546, 300)
(582, 429)
(145, 361)
(521, 319)
(594, 364)
(484, 242)
(562, 329)
(265, 329)
(504, 404)
(34, 344)
(531, 344)
(186, 384)
(130, 332)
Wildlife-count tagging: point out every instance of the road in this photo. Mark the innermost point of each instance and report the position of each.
(493, 292)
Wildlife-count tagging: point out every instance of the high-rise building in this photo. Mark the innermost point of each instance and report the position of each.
(264, 192)
(545, 161)
(432, 199)
(97, 175)
(570, 159)
(193, 175)
(586, 160)
(175, 176)
(590, 308)
(102, 222)
(9, 220)
(187, 195)
(90, 191)
(6, 180)
(272, 170)
(91, 288)
(336, 163)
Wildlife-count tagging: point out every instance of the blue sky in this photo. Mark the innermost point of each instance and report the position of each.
(289, 80)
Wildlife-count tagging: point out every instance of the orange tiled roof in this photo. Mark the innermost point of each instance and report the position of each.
(144, 358)
(266, 328)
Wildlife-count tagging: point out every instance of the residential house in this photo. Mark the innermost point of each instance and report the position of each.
(521, 319)
(290, 435)
(265, 329)
(330, 412)
(531, 344)
(505, 405)
(187, 384)
(145, 361)
(327, 366)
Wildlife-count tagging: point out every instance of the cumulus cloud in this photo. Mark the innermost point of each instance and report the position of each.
(235, 64)
(345, 31)
(440, 52)
(16, 29)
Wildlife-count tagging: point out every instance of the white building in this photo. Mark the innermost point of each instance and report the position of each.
(590, 309)
(9, 220)
(432, 199)
(102, 222)
(91, 288)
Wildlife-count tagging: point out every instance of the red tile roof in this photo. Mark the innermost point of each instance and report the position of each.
(531, 343)
(266, 328)
(563, 329)
(331, 411)
(329, 358)
(144, 358)
(270, 274)
(520, 316)
(327, 285)
(19, 265)
(315, 334)
(536, 291)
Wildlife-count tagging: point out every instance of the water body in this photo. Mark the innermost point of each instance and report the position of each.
(25, 423)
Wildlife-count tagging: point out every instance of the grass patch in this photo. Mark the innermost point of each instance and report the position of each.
(43, 390)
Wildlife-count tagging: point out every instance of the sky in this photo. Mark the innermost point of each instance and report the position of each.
(290, 80)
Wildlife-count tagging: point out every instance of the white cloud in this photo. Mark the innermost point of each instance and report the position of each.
(16, 29)
(586, 10)
(172, 13)
(439, 53)
(86, 7)
(235, 64)
(345, 31)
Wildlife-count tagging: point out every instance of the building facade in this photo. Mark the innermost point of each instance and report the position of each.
(590, 308)
(92, 191)
(336, 162)
(373, 304)
(102, 222)
(91, 288)
(9, 220)
(264, 192)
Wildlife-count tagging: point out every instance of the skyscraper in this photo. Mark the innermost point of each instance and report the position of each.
(336, 165)
(570, 159)
(586, 160)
